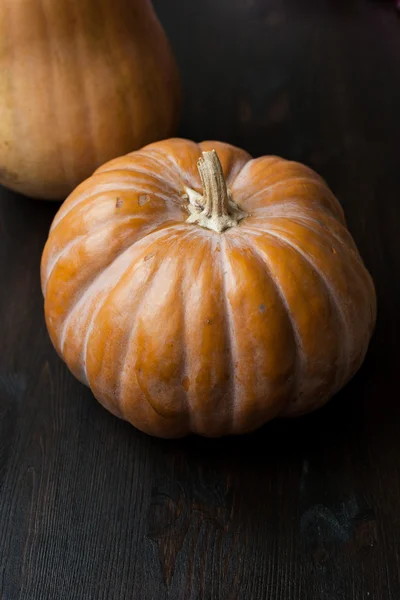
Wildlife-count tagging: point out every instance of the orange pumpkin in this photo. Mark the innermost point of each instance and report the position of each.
(196, 289)
(81, 82)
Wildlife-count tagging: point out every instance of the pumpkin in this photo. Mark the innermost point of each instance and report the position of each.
(82, 82)
(197, 289)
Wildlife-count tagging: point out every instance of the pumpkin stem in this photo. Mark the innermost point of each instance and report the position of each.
(214, 185)
(215, 209)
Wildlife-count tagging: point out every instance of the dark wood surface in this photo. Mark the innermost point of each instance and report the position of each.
(91, 509)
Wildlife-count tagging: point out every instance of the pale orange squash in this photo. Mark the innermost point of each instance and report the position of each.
(81, 82)
(192, 298)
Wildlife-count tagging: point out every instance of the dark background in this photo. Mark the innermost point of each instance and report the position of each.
(91, 509)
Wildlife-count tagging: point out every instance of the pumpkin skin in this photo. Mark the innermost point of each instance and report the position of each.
(178, 328)
(82, 81)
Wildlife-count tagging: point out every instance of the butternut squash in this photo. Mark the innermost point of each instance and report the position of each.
(81, 82)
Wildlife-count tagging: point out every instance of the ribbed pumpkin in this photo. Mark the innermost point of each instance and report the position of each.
(81, 82)
(196, 289)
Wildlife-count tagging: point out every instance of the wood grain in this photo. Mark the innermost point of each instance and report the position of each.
(91, 509)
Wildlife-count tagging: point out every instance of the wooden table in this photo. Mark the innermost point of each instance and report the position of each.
(301, 510)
